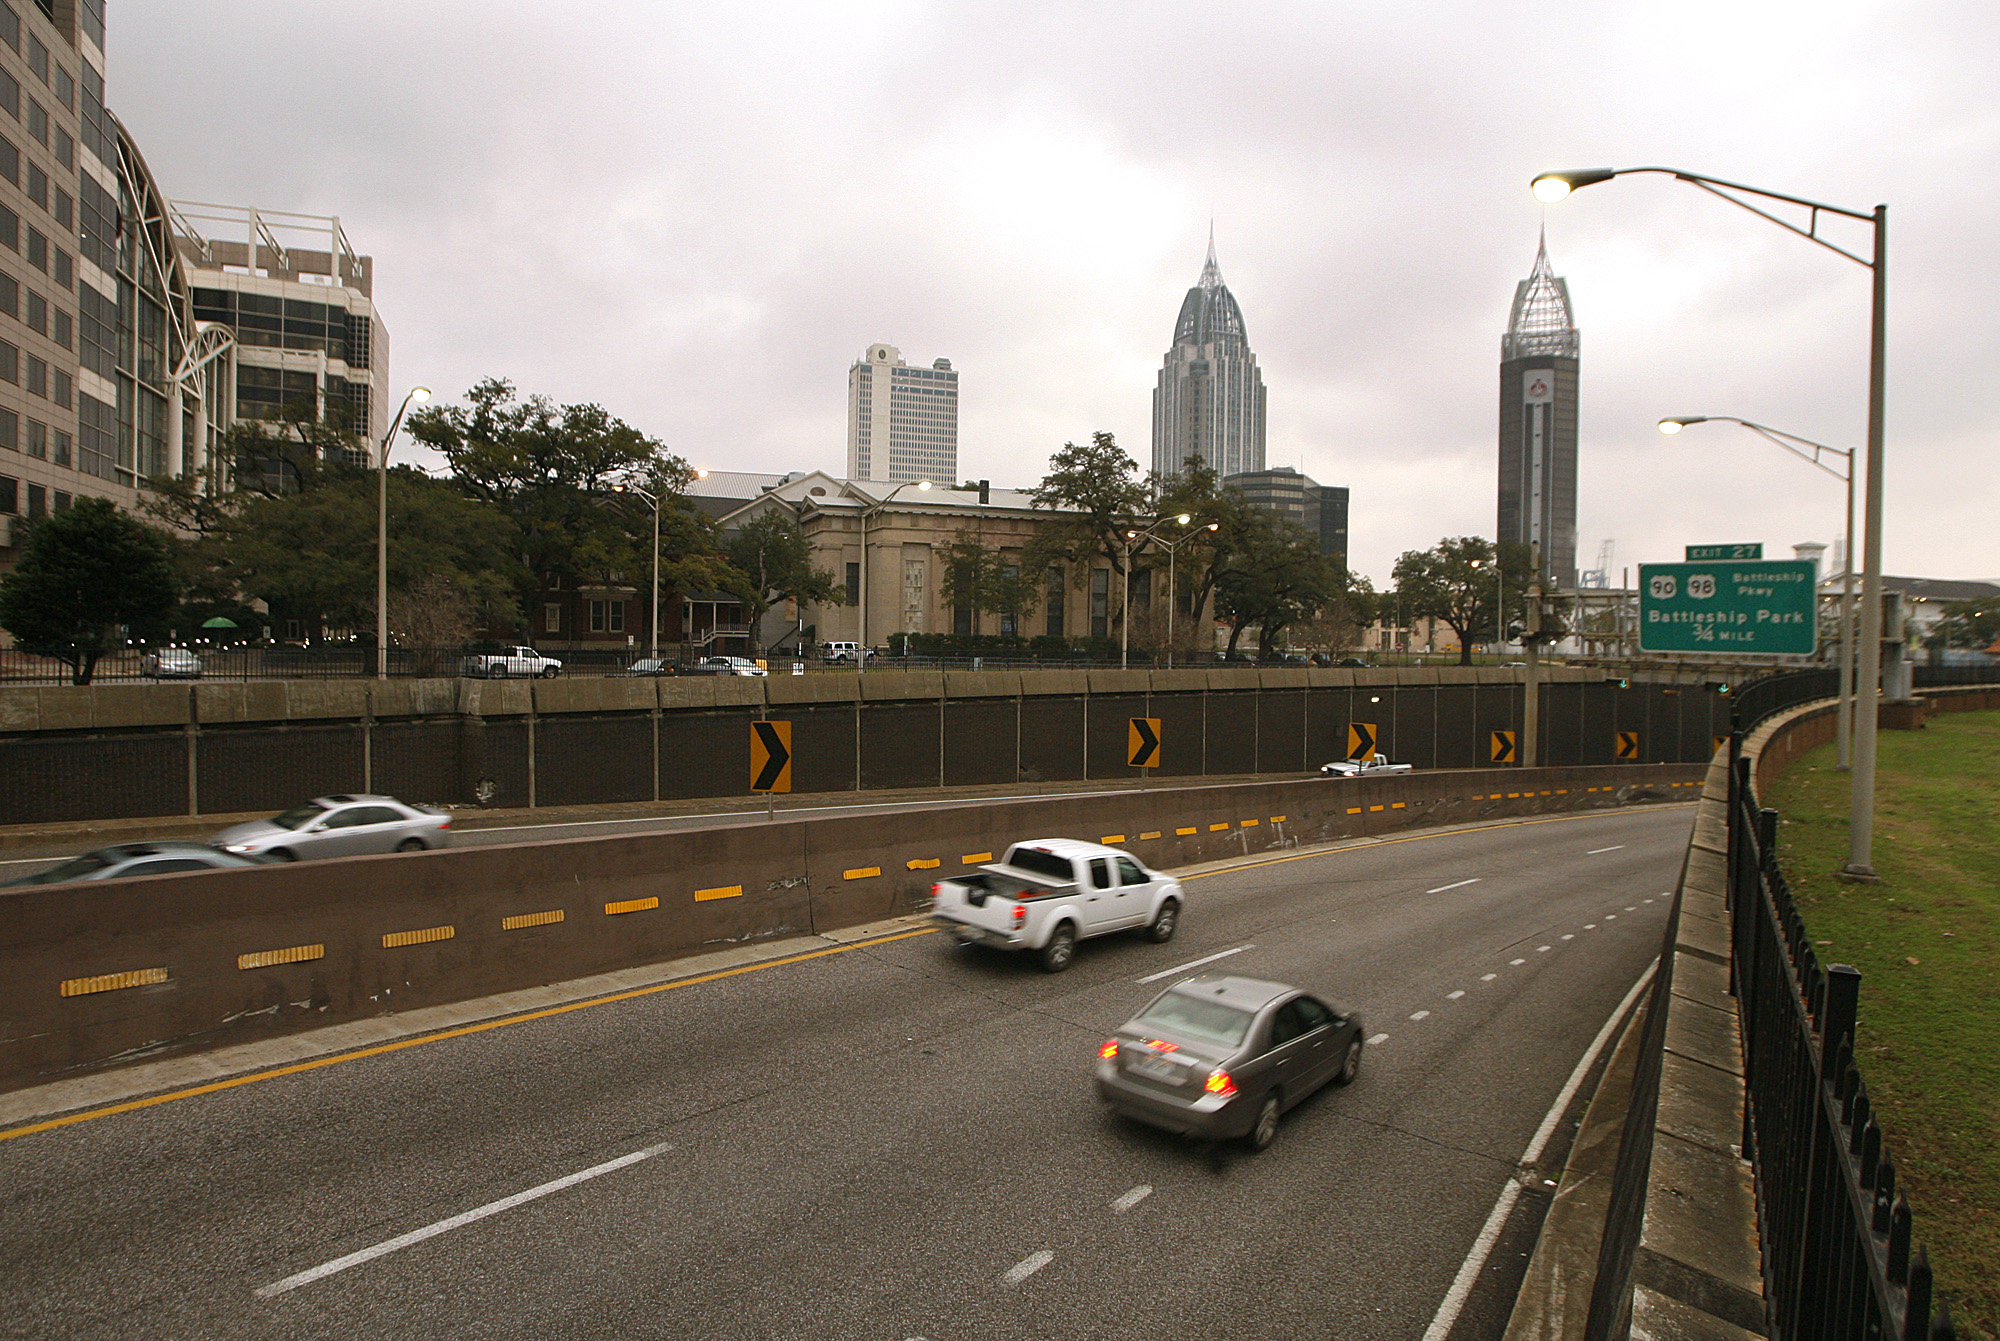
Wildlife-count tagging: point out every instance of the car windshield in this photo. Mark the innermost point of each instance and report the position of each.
(1041, 863)
(1192, 1017)
(299, 815)
(76, 868)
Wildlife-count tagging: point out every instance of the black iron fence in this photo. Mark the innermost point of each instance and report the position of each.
(1838, 1257)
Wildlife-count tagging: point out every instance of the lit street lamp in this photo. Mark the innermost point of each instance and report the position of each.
(1554, 186)
(1794, 444)
(1132, 540)
(419, 394)
(861, 635)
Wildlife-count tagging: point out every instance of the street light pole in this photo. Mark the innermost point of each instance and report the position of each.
(1132, 540)
(1795, 444)
(419, 394)
(861, 635)
(1554, 186)
(653, 646)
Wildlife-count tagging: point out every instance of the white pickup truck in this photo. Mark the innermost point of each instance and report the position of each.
(509, 662)
(1374, 766)
(1047, 894)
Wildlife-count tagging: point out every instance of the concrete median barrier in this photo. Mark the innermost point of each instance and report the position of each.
(103, 972)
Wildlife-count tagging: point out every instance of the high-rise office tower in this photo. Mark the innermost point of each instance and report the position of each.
(902, 422)
(1320, 508)
(1538, 401)
(1210, 398)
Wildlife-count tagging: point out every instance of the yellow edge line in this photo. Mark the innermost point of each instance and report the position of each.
(216, 1087)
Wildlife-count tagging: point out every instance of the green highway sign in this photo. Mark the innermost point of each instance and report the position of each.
(1706, 553)
(1741, 607)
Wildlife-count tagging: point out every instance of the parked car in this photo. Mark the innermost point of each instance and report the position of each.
(1373, 766)
(844, 653)
(123, 859)
(340, 826)
(1221, 1057)
(726, 666)
(1355, 662)
(653, 666)
(1047, 894)
(171, 663)
(510, 662)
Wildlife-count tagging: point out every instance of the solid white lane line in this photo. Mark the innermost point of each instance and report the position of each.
(1489, 1233)
(402, 1241)
(1195, 963)
(1379, 1038)
(1421, 1015)
(1615, 847)
(1028, 1266)
(1460, 885)
(1453, 996)
(1132, 1198)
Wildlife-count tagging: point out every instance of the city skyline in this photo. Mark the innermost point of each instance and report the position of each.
(1030, 211)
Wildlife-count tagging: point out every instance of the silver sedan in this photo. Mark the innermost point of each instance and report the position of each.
(340, 826)
(1223, 1057)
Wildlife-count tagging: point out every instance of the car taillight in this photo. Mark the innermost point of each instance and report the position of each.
(446, 824)
(937, 891)
(1218, 1082)
(1020, 913)
(1109, 1050)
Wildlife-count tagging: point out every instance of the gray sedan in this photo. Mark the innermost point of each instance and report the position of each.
(123, 859)
(1222, 1057)
(341, 826)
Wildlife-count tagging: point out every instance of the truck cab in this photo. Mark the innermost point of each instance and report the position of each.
(1046, 894)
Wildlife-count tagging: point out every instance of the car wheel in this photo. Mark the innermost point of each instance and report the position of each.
(1350, 1065)
(550, 672)
(284, 854)
(410, 845)
(1165, 922)
(1060, 950)
(1265, 1129)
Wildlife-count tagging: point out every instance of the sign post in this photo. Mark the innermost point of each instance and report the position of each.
(1731, 607)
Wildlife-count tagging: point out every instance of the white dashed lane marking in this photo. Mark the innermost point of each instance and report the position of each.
(1379, 1038)
(1543, 949)
(1453, 996)
(1488, 977)
(1516, 963)
(1195, 963)
(1615, 847)
(1460, 885)
(1027, 1267)
(1421, 1015)
(1132, 1198)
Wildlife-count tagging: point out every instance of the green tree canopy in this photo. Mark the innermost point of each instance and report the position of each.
(83, 573)
(986, 582)
(1277, 578)
(1974, 623)
(775, 561)
(1454, 582)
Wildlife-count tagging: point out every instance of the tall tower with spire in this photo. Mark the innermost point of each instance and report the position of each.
(1538, 401)
(1210, 398)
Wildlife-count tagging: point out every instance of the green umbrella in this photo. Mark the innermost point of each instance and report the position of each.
(218, 623)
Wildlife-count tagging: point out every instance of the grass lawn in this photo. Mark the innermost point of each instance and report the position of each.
(1927, 942)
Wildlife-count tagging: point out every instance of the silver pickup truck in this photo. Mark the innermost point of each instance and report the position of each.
(509, 662)
(1046, 894)
(1374, 766)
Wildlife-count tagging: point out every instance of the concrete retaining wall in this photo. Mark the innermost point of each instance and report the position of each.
(124, 969)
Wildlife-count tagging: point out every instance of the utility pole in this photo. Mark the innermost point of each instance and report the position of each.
(1531, 646)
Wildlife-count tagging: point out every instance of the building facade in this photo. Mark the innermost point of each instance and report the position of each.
(902, 422)
(1209, 401)
(298, 302)
(1320, 508)
(1538, 422)
(104, 378)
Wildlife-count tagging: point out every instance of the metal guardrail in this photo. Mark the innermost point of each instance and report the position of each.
(1838, 1255)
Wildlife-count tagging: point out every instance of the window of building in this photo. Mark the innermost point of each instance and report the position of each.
(59, 451)
(10, 228)
(10, 94)
(10, 26)
(10, 295)
(63, 208)
(38, 312)
(295, 631)
(1054, 603)
(38, 376)
(65, 148)
(961, 620)
(552, 617)
(38, 58)
(1009, 573)
(10, 363)
(38, 502)
(854, 584)
(65, 88)
(38, 250)
(1100, 602)
(62, 501)
(38, 122)
(10, 160)
(10, 430)
(10, 495)
(63, 271)
(607, 616)
(38, 440)
(59, 388)
(61, 333)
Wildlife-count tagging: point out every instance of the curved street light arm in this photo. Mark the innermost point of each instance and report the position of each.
(1716, 186)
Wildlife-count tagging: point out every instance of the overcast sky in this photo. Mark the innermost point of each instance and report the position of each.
(699, 215)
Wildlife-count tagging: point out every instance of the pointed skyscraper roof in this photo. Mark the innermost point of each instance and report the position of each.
(1541, 322)
(1209, 312)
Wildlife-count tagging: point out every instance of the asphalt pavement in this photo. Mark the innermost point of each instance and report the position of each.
(897, 1139)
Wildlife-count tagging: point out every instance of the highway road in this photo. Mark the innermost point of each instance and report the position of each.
(896, 1139)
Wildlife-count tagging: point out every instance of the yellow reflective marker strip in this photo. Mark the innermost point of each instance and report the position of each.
(861, 873)
(630, 906)
(1217, 828)
(520, 920)
(419, 937)
(1354, 810)
(1110, 838)
(1277, 819)
(1562, 791)
(297, 1068)
(1182, 833)
(921, 864)
(1397, 806)
(1373, 809)
(111, 982)
(1249, 824)
(1150, 833)
(1513, 796)
(974, 858)
(296, 954)
(719, 892)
